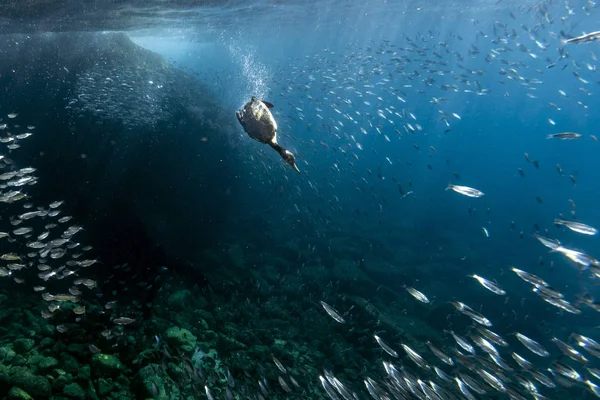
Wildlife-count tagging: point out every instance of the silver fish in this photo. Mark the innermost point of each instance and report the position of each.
(585, 38)
(385, 347)
(491, 336)
(569, 351)
(420, 361)
(333, 313)
(417, 295)
(489, 285)
(564, 136)
(22, 231)
(463, 389)
(492, 380)
(465, 190)
(523, 363)
(529, 278)
(484, 345)
(463, 343)
(446, 359)
(532, 345)
(577, 227)
(578, 257)
(552, 244)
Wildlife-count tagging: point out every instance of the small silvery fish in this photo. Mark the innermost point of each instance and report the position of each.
(326, 385)
(565, 370)
(570, 351)
(489, 285)
(469, 312)
(284, 385)
(586, 38)
(417, 295)
(578, 257)
(279, 365)
(27, 170)
(595, 389)
(486, 233)
(491, 336)
(564, 136)
(523, 363)
(484, 345)
(29, 215)
(471, 383)
(577, 227)
(594, 372)
(333, 313)
(463, 388)
(585, 341)
(22, 231)
(532, 345)
(87, 263)
(10, 257)
(420, 361)
(385, 347)
(491, 380)
(209, 395)
(529, 278)
(543, 379)
(440, 354)
(123, 321)
(500, 362)
(463, 343)
(443, 376)
(552, 244)
(465, 190)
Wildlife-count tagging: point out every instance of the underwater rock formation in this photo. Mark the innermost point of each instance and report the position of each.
(132, 144)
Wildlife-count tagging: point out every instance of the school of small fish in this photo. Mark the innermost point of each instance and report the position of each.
(39, 243)
(482, 360)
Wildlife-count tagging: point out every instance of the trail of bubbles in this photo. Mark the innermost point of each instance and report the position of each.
(255, 76)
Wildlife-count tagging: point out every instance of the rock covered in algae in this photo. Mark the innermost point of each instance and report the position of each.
(36, 386)
(153, 382)
(23, 345)
(181, 338)
(74, 391)
(47, 363)
(180, 300)
(104, 365)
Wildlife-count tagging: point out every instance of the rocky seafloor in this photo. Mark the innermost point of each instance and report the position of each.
(232, 330)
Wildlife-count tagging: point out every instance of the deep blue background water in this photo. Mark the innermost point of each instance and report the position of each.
(272, 56)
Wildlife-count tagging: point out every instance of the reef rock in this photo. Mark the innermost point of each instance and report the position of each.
(181, 339)
(130, 142)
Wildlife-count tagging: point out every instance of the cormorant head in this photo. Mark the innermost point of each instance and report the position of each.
(289, 157)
